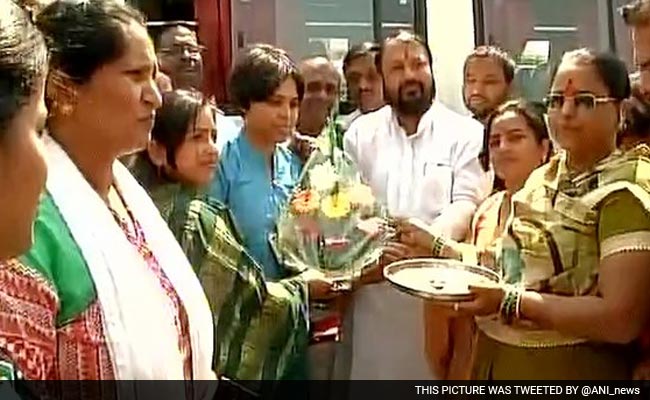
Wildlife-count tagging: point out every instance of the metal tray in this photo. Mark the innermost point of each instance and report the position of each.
(439, 279)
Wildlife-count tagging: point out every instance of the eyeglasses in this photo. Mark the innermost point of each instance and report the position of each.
(586, 101)
(180, 50)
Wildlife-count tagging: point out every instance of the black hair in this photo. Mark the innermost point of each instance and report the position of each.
(159, 36)
(532, 112)
(505, 61)
(23, 61)
(84, 35)
(611, 70)
(178, 112)
(360, 50)
(406, 36)
(258, 73)
(402, 36)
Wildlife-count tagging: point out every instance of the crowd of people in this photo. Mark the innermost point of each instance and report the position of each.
(135, 240)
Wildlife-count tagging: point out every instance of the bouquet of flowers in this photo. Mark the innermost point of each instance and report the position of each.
(332, 222)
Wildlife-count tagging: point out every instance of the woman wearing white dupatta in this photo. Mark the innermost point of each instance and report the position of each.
(105, 292)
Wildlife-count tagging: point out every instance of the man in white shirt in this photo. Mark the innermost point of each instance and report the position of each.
(421, 160)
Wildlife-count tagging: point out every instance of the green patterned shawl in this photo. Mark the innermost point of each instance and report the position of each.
(261, 327)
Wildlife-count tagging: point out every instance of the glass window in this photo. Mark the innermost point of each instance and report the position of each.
(394, 15)
(537, 32)
(318, 27)
(321, 27)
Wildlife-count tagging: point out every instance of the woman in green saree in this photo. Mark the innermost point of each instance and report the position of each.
(261, 326)
(576, 251)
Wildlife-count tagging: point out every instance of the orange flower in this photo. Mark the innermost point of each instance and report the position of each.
(305, 202)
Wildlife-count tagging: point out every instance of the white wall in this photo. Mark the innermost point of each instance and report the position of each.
(450, 29)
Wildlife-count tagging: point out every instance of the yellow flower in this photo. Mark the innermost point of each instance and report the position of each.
(361, 195)
(336, 206)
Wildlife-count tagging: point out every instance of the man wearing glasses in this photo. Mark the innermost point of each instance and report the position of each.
(179, 56)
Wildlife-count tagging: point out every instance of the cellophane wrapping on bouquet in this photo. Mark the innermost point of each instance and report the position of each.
(332, 223)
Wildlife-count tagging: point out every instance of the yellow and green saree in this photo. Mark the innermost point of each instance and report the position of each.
(561, 226)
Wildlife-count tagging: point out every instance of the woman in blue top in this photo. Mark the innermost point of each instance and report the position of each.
(257, 170)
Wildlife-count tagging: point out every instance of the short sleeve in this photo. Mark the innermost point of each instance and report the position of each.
(350, 142)
(623, 225)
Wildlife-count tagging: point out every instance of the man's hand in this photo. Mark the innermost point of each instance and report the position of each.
(415, 234)
(393, 252)
(371, 274)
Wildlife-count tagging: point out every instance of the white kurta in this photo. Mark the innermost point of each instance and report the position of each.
(347, 120)
(433, 175)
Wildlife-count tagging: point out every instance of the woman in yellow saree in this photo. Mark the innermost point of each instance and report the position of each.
(516, 141)
(577, 245)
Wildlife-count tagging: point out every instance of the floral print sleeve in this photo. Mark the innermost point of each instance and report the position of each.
(28, 309)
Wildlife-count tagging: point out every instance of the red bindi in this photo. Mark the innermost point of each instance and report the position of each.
(570, 90)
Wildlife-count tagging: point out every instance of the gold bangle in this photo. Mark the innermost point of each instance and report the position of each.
(438, 245)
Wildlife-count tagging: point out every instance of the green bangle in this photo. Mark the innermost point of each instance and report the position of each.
(510, 304)
(520, 295)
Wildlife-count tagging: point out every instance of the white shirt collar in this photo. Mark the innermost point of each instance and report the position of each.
(425, 124)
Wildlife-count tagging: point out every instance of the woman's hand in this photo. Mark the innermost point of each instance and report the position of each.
(420, 239)
(320, 286)
(486, 301)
